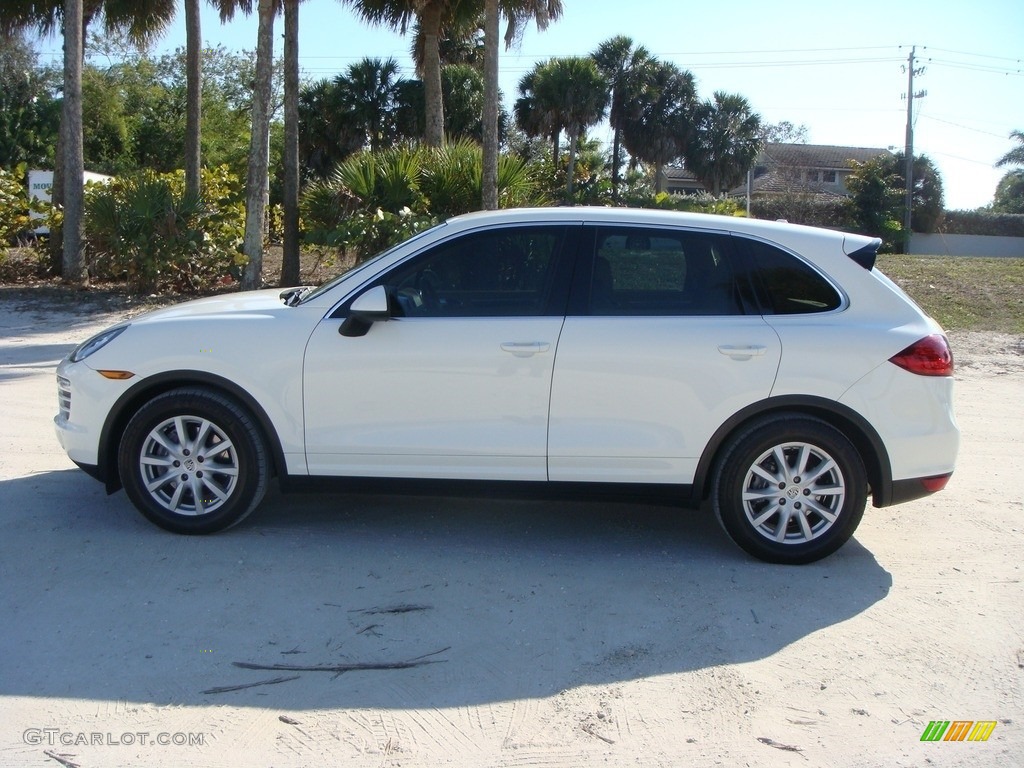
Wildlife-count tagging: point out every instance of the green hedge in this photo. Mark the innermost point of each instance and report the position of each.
(983, 222)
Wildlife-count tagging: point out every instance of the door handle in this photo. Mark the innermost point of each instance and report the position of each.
(525, 348)
(743, 351)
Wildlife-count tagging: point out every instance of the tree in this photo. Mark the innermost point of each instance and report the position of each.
(430, 16)
(194, 97)
(140, 19)
(29, 113)
(625, 69)
(1016, 155)
(290, 262)
(258, 170)
(1009, 197)
(71, 133)
(659, 127)
(784, 133)
(572, 91)
(928, 205)
(876, 200)
(535, 118)
(727, 138)
(368, 96)
(517, 12)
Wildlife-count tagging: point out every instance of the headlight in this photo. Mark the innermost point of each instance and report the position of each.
(96, 343)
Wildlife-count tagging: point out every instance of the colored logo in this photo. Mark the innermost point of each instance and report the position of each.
(958, 730)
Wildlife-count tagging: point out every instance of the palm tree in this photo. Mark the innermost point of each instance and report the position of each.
(624, 67)
(290, 260)
(71, 132)
(258, 170)
(367, 94)
(571, 96)
(535, 118)
(193, 96)
(658, 127)
(517, 12)
(726, 142)
(430, 16)
(1016, 155)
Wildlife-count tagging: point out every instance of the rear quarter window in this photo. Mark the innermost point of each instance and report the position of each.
(788, 285)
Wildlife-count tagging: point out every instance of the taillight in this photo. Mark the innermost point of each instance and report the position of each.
(931, 356)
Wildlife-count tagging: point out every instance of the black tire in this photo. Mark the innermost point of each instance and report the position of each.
(199, 486)
(815, 499)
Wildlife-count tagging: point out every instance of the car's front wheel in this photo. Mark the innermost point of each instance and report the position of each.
(193, 461)
(790, 489)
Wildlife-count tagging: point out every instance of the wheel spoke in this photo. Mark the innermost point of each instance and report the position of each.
(760, 494)
(220, 494)
(215, 448)
(156, 461)
(820, 470)
(159, 437)
(765, 516)
(784, 516)
(765, 475)
(175, 499)
(822, 510)
(780, 460)
(159, 482)
(200, 440)
(805, 527)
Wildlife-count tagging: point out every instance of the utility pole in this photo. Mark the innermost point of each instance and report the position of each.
(909, 150)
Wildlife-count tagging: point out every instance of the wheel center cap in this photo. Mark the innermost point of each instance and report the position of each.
(792, 492)
(190, 465)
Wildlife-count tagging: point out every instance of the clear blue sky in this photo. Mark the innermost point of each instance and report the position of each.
(837, 68)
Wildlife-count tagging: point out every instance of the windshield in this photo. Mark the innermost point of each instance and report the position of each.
(322, 289)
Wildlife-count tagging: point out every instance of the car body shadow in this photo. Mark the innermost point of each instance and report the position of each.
(475, 600)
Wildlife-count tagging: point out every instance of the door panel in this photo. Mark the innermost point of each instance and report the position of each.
(457, 383)
(431, 397)
(660, 349)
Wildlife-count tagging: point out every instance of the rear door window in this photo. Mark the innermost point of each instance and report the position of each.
(639, 271)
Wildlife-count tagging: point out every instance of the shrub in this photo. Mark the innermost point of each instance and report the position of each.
(15, 205)
(832, 213)
(374, 200)
(146, 229)
(983, 222)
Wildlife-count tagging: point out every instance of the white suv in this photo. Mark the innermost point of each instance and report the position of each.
(766, 367)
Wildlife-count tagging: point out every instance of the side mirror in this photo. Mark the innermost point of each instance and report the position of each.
(367, 309)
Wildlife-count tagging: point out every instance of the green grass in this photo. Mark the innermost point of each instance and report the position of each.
(963, 293)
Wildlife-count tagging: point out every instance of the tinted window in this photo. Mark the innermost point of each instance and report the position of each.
(789, 285)
(504, 272)
(638, 271)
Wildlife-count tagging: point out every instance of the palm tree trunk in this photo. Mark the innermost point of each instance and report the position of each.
(194, 96)
(430, 22)
(71, 130)
(490, 119)
(616, 149)
(573, 141)
(290, 262)
(258, 171)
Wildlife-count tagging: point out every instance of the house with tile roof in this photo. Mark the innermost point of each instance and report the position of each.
(817, 169)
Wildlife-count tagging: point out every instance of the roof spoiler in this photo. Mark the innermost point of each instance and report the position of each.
(866, 256)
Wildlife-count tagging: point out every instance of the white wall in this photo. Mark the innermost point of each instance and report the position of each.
(966, 245)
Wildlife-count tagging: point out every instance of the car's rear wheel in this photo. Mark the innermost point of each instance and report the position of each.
(790, 489)
(193, 461)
